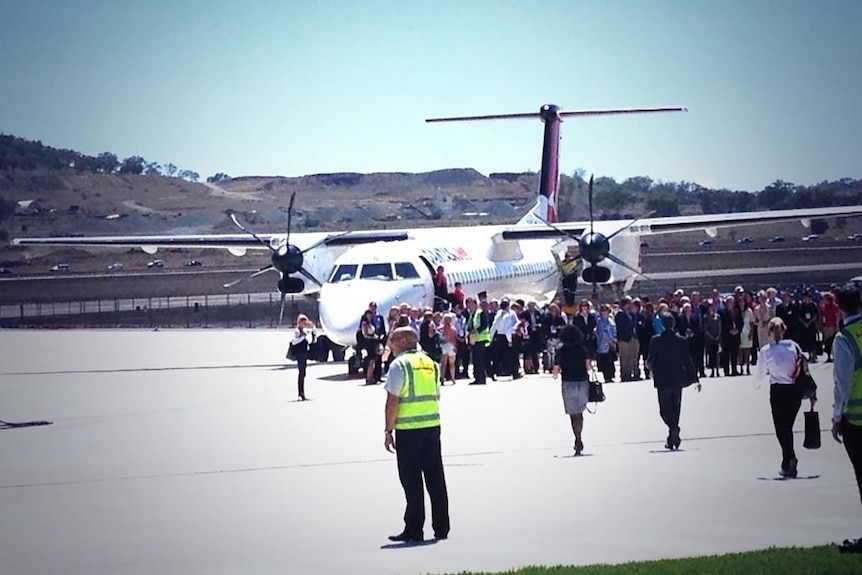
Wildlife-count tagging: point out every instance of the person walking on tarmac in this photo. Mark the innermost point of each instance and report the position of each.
(302, 338)
(672, 370)
(847, 373)
(413, 412)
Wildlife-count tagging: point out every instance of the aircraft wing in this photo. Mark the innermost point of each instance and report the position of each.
(232, 242)
(707, 222)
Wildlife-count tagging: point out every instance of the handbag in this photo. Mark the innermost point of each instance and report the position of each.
(806, 384)
(596, 393)
(812, 430)
(291, 352)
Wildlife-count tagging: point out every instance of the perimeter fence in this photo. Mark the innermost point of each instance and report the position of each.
(251, 310)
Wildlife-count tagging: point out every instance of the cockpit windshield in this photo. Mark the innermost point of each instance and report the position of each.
(405, 271)
(376, 271)
(343, 273)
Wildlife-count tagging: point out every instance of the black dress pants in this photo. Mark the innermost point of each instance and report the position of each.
(853, 444)
(419, 455)
(301, 367)
(480, 368)
(669, 406)
(785, 400)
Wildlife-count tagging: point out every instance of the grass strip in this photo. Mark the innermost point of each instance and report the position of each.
(826, 560)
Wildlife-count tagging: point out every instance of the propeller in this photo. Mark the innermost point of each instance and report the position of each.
(594, 247)
(287, 259)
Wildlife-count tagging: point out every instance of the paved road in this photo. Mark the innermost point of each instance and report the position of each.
(183, 452)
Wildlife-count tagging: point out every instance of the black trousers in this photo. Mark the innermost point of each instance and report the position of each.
(785, 400)
(853, 444)
(462, 359)
(729, 349)
(480, 367)
(419, 455)
(301, 365)
(669, 406)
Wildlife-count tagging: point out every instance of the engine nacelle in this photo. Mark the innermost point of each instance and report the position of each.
(596, 274)
(288, 284)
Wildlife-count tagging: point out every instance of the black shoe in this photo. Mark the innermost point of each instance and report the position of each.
(406, 538)
(579, 447)
(476, 383)
(440, 536)
(518, 375)
(791, 469)
(676, 441)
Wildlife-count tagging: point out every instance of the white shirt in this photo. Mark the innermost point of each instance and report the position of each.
(504, 324)
(778, 361)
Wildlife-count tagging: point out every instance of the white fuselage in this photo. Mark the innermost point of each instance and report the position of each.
(401, 272)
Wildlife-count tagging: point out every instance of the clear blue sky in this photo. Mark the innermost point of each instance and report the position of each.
(269, 87)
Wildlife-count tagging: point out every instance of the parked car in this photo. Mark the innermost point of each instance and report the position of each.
(810, 237)
(776, 239)
(60, 268)
(854, 237)
(704, 243)
(5, 271)
(744, 240)
(156, 264)
(193, 263)
(115, 267)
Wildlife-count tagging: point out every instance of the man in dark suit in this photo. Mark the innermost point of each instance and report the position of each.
(672, 370)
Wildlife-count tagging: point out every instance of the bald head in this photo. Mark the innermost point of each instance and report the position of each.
(402, 338)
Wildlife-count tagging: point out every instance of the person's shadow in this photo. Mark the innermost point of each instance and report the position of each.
(409, 544)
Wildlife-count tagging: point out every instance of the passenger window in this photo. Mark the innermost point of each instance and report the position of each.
(343, 273)
(405, 271)
(376, 272)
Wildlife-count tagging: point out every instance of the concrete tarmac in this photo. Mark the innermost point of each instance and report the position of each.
(185, 452)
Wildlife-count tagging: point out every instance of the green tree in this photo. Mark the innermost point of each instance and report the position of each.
(663, 204)
(133, 165)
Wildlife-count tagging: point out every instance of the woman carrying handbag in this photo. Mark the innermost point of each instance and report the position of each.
(780, 362)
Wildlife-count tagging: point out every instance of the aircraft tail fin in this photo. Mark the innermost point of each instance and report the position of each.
(545, 208)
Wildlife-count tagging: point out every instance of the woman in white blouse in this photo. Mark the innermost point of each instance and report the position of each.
(780, 361)
(302, 338)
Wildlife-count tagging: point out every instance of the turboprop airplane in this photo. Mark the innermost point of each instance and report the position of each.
(523, 259)
(395, 266)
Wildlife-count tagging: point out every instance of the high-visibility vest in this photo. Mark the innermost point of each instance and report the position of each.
(418, 402)
(485, 334)
(853, 335)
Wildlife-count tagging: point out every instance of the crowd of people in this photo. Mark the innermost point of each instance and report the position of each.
(504, 337)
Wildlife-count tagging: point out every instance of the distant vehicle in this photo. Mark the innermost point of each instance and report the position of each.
(854, 237)
(810, 237)
(115, 267)
(5, 271)
(744, 240)
(60, 268)
(193, 263)
(776, 239)
(704, 243)
(156, 264)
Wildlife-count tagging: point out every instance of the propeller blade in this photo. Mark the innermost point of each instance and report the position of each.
(308, 276)
(257, 273)
(317, 243)
(591, 204)
(281, 310)
(249, 232)
(290, 216)
(620, 262)
(634, 221)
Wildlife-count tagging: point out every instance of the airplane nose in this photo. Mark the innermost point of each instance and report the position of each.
(342, 305)
(339, 315)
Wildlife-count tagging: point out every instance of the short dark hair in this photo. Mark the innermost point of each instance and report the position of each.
(847, 298)
(667, 320)
(571, 335)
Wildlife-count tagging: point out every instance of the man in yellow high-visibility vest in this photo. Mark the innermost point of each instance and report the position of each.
(412, 413)
(847, 374)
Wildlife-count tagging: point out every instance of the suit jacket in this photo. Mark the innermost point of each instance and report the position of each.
(670, 361)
